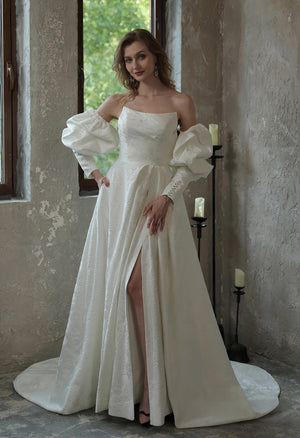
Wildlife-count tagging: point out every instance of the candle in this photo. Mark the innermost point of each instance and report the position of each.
(199, 207)
(239, 278)
(214, 131)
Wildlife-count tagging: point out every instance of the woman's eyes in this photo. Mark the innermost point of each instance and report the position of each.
(141, 56)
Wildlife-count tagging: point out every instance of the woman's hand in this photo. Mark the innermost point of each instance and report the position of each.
(100, 179)
(158, 210)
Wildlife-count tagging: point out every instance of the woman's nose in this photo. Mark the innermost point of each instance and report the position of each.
(135, 64)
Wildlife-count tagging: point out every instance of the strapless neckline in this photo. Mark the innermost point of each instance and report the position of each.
(143, 112)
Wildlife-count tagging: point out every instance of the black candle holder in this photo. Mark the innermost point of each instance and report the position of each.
(213, 160)
(199, 225)
(237, 351)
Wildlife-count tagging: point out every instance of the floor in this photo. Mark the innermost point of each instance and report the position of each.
(20, 418)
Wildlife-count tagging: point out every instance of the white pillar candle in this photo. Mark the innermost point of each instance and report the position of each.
(199, 207)
(239, 278)
(214, 131)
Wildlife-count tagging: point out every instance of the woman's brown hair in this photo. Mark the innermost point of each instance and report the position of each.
(163, 65)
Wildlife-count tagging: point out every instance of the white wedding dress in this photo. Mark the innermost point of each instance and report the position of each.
(189, 373)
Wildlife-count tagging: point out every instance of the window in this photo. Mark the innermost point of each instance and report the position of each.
(101, 26)
(8, 96)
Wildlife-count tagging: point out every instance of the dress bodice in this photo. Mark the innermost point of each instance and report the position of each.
(147, 137)
(143, 138)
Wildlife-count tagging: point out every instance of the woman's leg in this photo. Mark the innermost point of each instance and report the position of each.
(134, 290)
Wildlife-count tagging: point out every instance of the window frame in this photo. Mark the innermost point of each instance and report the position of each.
(158, 29)
(9, 102)
(158, 20)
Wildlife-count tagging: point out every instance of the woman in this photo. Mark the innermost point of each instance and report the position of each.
(141, 328)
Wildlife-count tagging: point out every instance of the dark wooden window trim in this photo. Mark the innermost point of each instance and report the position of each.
(85, 185)
(9, 83)
(158, 22)
(158, 28)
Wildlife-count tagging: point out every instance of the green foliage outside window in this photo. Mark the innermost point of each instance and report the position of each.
(105, 23)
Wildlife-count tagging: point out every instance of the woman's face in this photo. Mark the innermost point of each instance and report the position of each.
(139, 61)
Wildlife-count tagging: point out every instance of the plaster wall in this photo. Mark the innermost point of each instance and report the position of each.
(42, 233)
(259, 185)
(194, 44)
(174, 39)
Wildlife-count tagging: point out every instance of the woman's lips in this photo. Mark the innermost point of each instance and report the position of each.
(138, 73)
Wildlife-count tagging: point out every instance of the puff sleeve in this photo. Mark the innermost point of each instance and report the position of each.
(193, 147)
(88, 134)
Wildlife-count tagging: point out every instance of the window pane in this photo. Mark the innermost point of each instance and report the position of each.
(104, 24)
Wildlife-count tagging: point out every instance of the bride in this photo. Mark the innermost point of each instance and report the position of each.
(141, 328)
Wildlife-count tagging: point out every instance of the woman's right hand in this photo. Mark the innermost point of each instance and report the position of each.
(100, 179)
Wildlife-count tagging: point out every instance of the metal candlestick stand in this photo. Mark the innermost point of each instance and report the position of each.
(213, 159)
(200, 224)
(236, 351)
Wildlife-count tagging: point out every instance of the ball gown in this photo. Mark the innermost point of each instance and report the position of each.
(100, 364)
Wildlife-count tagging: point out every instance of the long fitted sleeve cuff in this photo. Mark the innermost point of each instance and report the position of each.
(178, 183)
(86, 163)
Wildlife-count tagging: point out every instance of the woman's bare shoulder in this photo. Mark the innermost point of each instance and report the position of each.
(182, 100)
(185, 109)
(112, 106)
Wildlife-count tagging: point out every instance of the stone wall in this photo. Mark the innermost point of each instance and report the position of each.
(197, 48)
(240, 63)
(42, 233)
(259, 188)
(174, 39)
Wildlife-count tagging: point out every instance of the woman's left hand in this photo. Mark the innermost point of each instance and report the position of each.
(158, 210)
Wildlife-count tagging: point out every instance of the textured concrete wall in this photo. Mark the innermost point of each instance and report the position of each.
(174, 39)
(240, 63)
(200, 76)
(42, 235)
(202, 79)
(24, 146)
(260, 184)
